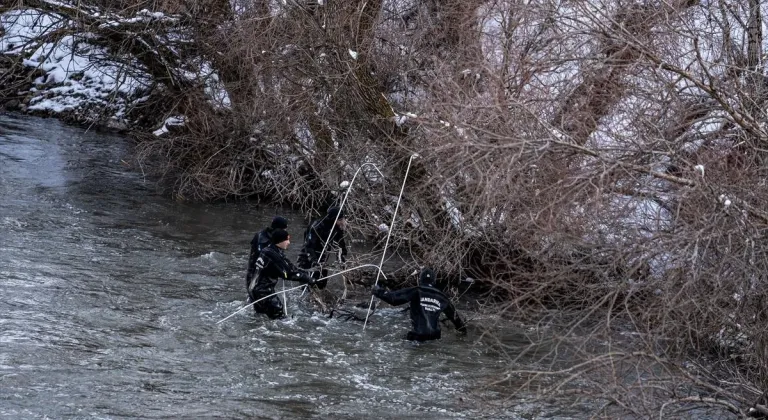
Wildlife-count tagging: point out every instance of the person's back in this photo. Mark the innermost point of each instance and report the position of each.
(261, 240)
(271, 266)
(426, 304)
(315, 250)
(329, 228)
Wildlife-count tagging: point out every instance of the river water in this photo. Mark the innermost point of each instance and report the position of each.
(111, 293)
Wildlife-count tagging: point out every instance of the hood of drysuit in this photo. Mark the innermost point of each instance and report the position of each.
(427, 277)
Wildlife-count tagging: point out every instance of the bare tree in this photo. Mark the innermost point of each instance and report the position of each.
(598, 165)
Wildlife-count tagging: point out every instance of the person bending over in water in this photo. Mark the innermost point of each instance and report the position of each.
(332, 225)
(427, 303)
(271, 266)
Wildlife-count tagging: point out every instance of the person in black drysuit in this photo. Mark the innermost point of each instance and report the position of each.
(427, 303)
(318, 232)
(271, 266)
(260, 241)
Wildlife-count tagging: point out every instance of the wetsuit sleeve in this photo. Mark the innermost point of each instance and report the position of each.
(290, 271)
(397, 297)
(261, 262)
(297, 274)
(257, 244)
(453, 315)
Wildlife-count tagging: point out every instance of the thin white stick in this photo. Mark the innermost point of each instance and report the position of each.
(389, 233)
(301, 285)
(259, 300)
(285, 300)
(341, 207)
(333, 226)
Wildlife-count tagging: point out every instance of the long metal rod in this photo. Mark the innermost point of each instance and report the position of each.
(389, 233)
(330, 233)
(341, 207)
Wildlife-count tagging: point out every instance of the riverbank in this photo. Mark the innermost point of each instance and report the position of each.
(583, 171)
(64, 62)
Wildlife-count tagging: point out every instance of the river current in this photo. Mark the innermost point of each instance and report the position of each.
(111, 293)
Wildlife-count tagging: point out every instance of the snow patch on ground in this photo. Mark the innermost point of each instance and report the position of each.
(214, 89)
(447, 197)
(76, 74)
(79, 74)
(84, 79)
(23, 26)
(174, 121)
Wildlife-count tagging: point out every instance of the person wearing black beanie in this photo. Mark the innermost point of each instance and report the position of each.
(281, 238)
(260, 241)
(272, 265)
(331, 229)
(427, 303)
(279, 222)
(427, 277)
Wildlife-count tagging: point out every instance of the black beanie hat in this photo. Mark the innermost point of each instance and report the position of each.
(279, 235)
(279, 223)
(333, 211)
(427, 277)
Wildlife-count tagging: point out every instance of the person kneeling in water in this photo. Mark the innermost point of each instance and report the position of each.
(427, 303)
(271, 266)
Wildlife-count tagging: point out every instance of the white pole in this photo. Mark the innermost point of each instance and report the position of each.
(389, 233)
(333, 226)
(341, 207)
(259, 300)
(285, 300)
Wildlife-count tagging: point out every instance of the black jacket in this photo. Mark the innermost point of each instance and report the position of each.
(427, 303)
(262, 239)
(271, 266)
(314, 239)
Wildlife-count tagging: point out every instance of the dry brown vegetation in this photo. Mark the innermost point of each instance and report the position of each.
(603, 161)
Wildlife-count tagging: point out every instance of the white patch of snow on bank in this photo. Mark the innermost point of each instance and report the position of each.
(177, 120)
(214, 89)
(146, 16)
(305, 137)
(446, 195)
(79, 74)
(23, 26)
(415, 220)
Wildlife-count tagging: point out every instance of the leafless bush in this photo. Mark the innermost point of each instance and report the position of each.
(598, 160)
(591, 158)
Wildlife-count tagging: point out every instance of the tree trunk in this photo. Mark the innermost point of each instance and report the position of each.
(602, 85)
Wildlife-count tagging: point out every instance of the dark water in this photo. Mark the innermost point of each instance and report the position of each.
(111, 293)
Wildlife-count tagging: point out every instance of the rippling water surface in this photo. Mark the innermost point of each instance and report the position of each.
(111, 293)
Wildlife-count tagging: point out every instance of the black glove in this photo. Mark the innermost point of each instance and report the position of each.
(306, 277)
